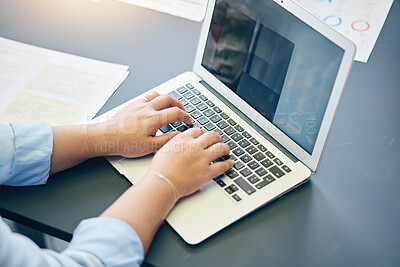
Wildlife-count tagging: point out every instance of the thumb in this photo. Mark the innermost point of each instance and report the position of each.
(161, 140)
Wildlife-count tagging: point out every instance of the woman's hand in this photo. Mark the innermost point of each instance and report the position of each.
(131, 132)
(185, 160)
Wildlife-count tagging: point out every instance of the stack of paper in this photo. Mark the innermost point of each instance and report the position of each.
(38, 84)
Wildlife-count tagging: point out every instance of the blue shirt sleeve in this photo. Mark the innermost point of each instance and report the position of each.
(25, 153)
(96, 242)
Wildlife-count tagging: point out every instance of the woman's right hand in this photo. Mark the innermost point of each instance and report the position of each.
(186, 160)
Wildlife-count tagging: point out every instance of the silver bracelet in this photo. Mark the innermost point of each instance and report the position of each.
(159, 175)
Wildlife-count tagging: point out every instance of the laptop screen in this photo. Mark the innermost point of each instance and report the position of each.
(276, 63)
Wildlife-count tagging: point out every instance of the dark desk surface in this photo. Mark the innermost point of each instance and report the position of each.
(348, 215)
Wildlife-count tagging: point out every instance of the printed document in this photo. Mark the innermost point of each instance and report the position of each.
(359, 20)
(188, 9)
(38, 84)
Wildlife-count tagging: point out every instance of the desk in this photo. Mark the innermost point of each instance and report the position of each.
(348, 215)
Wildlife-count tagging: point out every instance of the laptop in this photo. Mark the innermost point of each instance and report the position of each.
(268, 77)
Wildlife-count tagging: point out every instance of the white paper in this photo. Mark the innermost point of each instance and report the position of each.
(38, 84)
(359, 20)
(188, 9)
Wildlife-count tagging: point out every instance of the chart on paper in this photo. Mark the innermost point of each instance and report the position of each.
(359, 20)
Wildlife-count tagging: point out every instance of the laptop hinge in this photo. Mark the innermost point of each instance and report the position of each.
(250, 122)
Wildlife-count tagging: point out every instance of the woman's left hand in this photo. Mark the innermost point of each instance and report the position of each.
(132, 131)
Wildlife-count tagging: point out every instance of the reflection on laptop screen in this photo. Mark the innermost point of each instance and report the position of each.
(275, 62)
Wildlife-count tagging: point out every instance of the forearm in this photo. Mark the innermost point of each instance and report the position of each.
(76, 143)
(144, 207)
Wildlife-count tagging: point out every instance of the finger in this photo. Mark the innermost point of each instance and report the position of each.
(148, 97)
(194, 132)
(159, 141)
(221, 167)
(208, 139)
(173, 114)
(166, 101)
(217, 150)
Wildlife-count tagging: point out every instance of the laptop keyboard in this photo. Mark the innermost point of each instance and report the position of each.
(255, 166)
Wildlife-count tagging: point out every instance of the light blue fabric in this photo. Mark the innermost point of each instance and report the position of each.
(25, 152)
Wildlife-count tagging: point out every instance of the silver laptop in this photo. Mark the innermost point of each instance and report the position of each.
(268, 77)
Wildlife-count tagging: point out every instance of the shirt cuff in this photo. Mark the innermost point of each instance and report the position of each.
(111, 240)
(33, 146)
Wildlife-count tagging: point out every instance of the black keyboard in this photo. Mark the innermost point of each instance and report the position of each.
(255, 165)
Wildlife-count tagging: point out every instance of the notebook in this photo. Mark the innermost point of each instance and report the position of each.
(268, 77)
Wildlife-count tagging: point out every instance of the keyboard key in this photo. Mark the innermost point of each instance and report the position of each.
(203, 120)
(218, 177)
(236, 137)
(244, 143)
(188, 95)
(234, 188)
(183, 101)
(262, 148)
(222, 124)
(236, 197)
(233, 157)
(261, 172)
(182, 89)
(231, 174)
(190, 86)
(278, 161)
(195, 100)
(182, 128)
(245, 172)
(253, 179)
(196, 114)
(176, 123)
(217, 109)
(245, 185)
(175, 95)
(276, 171)
(197, 92)
(203, 97)
(246, 134)
(220, 183)
(286, 168)
(266, 163)
(201, 106)
(254, 141)
(225, 138)
(239, 165)
(224, 116)
(189, 108)
(208, 112)
(232, 145)
(238, 151)
(229, 130)
(245, 158)
(251, 150)
(270, 155)
(215, 118)
(229, 190)
(268, 179)
(166, 128)
(259, 156)
(218, 131)
(210, 104)
(196, 125)
(232, 122)
(209, 126)
(253, 165)
(239, 128)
